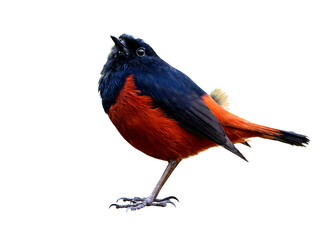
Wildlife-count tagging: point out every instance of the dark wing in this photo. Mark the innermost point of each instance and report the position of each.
(180, 98)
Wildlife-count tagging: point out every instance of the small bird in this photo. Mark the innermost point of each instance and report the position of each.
(160, 111)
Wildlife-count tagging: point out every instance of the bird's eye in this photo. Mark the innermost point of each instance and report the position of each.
(140, 51)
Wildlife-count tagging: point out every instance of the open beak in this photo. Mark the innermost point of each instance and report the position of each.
(119, 46)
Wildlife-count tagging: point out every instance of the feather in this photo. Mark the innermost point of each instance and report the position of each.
(220, 97)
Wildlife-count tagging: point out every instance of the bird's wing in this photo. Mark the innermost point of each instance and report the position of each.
(181, 99)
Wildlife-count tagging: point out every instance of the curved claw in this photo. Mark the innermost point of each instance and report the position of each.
(168, 201)
(121, 198)
(171, 197)
(113, 205)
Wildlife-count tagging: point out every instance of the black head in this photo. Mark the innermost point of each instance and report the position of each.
(128, 56)
(131, 51)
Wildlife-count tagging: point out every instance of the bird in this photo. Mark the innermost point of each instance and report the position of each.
(160, 111)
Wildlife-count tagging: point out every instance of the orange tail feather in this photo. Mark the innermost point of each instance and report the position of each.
(239, 129)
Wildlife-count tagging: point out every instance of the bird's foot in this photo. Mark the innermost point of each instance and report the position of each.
(138, 203)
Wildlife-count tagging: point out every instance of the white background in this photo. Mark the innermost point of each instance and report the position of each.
(63, 162)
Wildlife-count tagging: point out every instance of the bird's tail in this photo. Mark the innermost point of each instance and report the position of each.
(239, 130)
(292, 138)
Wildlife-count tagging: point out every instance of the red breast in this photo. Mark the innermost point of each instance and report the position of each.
(149, 129)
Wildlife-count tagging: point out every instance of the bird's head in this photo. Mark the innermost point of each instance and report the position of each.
(130, 51)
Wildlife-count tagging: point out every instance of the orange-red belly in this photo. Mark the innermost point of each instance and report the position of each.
(149, 130)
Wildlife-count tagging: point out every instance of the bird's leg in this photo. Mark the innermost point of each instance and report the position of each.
(138, 203)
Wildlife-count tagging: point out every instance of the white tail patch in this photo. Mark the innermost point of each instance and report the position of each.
(220, 97)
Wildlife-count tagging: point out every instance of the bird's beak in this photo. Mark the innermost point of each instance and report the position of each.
(119, 45)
